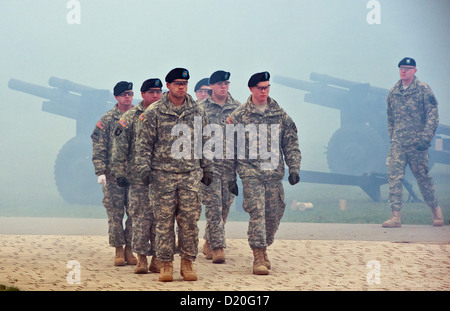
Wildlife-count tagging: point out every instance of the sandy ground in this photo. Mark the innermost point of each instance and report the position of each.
(374, 259)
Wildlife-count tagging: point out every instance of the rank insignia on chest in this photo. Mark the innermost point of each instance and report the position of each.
(123, 123)
(100, 125)
(142, 117)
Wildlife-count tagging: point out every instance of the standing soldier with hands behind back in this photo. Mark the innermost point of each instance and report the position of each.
(412, 112)
(123, 167)
(115, 198)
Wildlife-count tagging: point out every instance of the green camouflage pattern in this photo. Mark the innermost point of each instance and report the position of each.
(217, 199)
(175, 187)
(288, 141)
(412, 116)
(123, 158)
(263, 193)
(115, 198)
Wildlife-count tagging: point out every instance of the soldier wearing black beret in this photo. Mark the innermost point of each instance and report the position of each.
(201, 89)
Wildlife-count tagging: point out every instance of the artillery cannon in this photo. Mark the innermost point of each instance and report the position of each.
(359, 147)
(73, 169)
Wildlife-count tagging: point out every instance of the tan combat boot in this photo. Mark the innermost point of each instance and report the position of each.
(394, 221)
(218, 255)
(155, 265)
(259, 268)
(266, 260)
(187, 270)
(166, 272)
(119, 259)
(141, 266)
(129, 257)
(207, 250)
(438, 219)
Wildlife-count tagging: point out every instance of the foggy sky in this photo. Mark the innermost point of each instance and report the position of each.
(136, 40)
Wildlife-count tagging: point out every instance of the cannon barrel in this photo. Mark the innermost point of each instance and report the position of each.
(54, 95)
(68, 85)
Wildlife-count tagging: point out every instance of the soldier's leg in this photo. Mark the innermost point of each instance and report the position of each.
(396, 164)
(188, 214)
(274, 208)
(213, 212)
(113, 201)
(212, 199)
(254, 197)
(164, 207)
(139, 210)
(418, 163)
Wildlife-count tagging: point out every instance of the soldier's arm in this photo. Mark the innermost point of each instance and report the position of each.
(146, 138)
(290, 146)
(120, 149)
(100, 142)
(431, 116)
(390, 118)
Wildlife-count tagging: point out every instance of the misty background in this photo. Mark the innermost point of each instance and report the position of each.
(136, 40)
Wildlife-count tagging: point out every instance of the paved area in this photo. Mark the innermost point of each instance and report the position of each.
(73, 255)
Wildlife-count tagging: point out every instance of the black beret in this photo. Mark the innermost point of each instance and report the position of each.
(258, 77)
(151, 83)
(407, 61)
(219, 76)
(122, 86)
(202, 82)
(177, 73)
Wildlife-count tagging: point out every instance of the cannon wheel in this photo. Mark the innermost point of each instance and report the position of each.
(356, 149)
(74, 173)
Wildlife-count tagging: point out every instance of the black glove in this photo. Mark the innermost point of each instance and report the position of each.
(147, 178)
(232, 186)
(122, 182)
(207, 178)
(423, 145)
(293, 178)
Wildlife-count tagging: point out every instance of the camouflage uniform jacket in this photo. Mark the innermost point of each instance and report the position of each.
(102, 138)
(155, 139)
(123, 160)
(219, 115)
(412, 113)
(287, 143)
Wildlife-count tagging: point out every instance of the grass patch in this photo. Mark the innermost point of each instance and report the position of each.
(4, 288)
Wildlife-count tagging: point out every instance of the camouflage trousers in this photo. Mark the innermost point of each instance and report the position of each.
(176, 196)
(264, 201)
(397, 159)
(115, 201)
(143, 220)
(217, 200)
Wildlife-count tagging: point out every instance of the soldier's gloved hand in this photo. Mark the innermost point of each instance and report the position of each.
(423, 145)
(102, 179)
(293, 178)
(207, 178)
(232, 186)
(147, 178)
(122, 182)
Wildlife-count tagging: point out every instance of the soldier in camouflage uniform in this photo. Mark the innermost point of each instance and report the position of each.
(123, 168)
(412, 112)
(201, 89)
(115, 198)
(174, 172)
(217, 197)
(262, 176)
